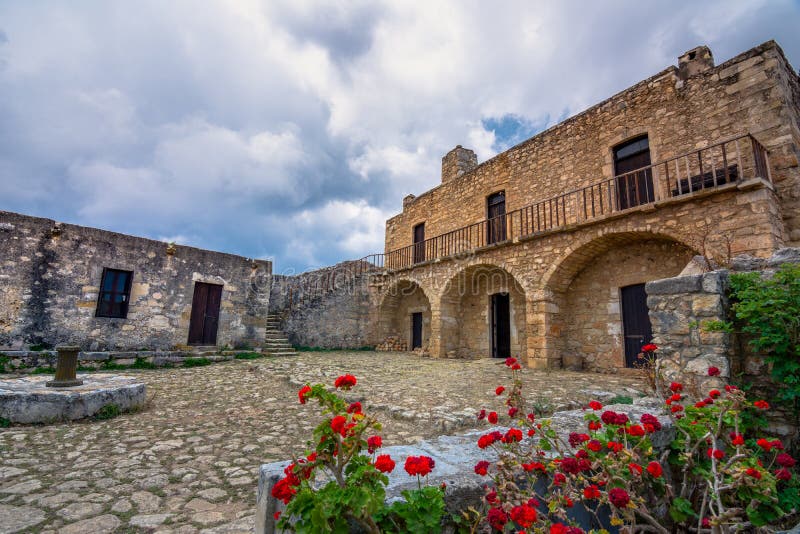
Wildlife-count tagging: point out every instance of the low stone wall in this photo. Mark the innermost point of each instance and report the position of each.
(455, 458)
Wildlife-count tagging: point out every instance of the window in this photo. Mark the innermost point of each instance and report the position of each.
(633, 174)
(115, 291)
(419, 243)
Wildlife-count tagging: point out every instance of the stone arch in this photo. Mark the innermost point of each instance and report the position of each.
(465, 313)
(400, 300)
(582, 321)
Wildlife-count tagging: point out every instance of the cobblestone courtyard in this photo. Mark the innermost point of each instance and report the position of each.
(189, 462)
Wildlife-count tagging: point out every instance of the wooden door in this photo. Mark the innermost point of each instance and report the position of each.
(634, 183)
(204, 320)
(496, 218)
(416, 330)
(419, 243)
(501, 326)
(635, 322)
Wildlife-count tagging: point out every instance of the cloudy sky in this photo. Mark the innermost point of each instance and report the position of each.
(292, 130)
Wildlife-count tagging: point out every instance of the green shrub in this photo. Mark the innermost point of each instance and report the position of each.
(4, 423)
(142, 363)
(196, 362)
(767, 310)
(39, 347)
(109, 411)
(621, 399)
(3, 362)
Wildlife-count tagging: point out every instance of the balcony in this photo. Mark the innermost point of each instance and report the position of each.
(677, 179)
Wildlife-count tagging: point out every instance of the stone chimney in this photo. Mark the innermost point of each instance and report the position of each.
(695, 61)
(408, 199)
(457, 162)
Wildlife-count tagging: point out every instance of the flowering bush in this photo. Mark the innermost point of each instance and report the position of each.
(715, 475)
(336, 486)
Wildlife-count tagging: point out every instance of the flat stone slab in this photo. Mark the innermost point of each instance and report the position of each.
(29, 400)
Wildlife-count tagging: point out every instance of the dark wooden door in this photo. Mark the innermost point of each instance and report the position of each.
(419, 243)
(635, 321)
(501, 326)
(416, 331)
(205, 314)
(496, 218)
(634, 184)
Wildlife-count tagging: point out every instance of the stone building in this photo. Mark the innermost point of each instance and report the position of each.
(543, 251)
(102, 290)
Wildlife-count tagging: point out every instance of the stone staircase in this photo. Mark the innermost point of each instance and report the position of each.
(275, 342)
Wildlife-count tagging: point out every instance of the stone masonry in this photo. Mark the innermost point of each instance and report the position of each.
(564, 281)
(50, 275)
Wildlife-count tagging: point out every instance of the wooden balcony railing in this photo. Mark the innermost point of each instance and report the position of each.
(729, 161)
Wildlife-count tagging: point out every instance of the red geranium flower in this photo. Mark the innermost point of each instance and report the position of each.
(784, 460)
(497, 518)
(635, 468)
(652, 420)
(716, 453)
(337, 424)
(492, 417)
(513, 434)
(594, 445)
(595, 425)
(783, 474)
(284, 490)
(753, 472)
(524, 515)
(713, 371)
(534, 466)
(384, 463)
(499, 390)
(354, 408)
(655, 469)
(635, 430)
(419, 465)
(764, 444)
(374, 443)
(676, 387)
(595, 405)
(591, 492)
(714, 393)
(576, 439)
(650, 347)
(481, 415)
(512, 411)
(303, 393)
(761, 404)
(482, 468)
(559, 479)
(510, 361)
(345, 382)
(619, 497)
(737, 440)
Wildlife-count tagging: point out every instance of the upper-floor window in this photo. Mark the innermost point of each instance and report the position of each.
(634, 178)
(496, 218)
(115, 292)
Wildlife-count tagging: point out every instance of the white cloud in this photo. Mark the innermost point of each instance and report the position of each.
(294, 128)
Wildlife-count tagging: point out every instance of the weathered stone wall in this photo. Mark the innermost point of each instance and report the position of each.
(326, 308)
(679, 309)
(592, 313)
(755, 92)
(50, 275)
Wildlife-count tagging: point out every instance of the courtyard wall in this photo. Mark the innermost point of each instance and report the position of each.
(50, 276)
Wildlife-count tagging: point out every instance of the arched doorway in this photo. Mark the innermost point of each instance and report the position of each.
(483, 314)
(405, 317)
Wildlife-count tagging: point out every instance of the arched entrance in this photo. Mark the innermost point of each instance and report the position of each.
(405, 317)
(483, 314)
(598, 290)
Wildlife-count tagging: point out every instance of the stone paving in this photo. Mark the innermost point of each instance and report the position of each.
(189, 461)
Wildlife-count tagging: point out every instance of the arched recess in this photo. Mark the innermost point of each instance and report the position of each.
(469, 313)
(585, 287)
(401, 301)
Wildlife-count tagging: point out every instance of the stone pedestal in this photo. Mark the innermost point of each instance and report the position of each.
(66, 368)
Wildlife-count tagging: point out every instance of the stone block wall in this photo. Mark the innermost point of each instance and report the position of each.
(680, 111)
(680, 306)
(326, 308)
(50, 275)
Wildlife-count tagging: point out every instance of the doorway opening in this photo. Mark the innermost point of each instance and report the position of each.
(501, 326)
(634, 176)
(635, 322)
(416, 330)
